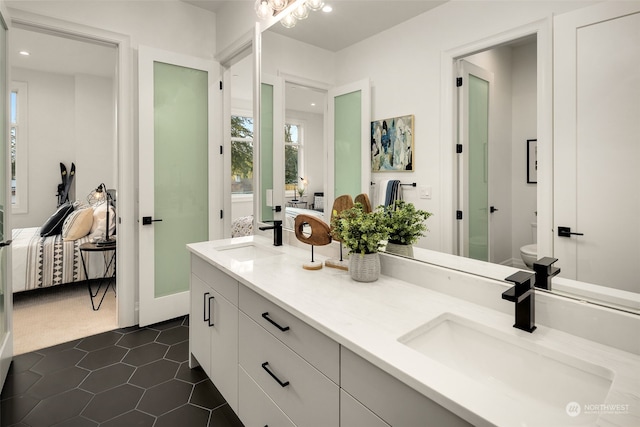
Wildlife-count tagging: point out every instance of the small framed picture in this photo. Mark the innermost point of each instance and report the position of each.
(532, 161)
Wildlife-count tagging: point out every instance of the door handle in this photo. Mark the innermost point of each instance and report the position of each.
(566, 232)
(493, 209)
(147, 220)
(5, 243)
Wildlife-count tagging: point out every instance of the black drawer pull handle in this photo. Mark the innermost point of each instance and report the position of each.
(210, 314)
(282, 384)
(204, 308)
(265, 315)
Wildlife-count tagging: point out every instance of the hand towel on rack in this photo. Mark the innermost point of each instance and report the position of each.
(381, 189)
(393, 193)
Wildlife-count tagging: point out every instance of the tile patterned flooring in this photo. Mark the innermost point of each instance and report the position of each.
(126, 377)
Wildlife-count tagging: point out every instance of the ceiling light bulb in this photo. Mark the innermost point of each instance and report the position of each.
(301, 12)
(263, 9)
(289, 21)
(278, 5)
(315, 5)
(327, 9)
(24, 53)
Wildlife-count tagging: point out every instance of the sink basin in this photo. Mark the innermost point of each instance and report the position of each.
(248, 252)
(544, 380)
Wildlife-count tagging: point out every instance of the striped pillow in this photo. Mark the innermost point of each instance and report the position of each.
(78, 224)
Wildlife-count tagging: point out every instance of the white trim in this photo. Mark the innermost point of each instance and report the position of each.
(22, 146)
(125, 169)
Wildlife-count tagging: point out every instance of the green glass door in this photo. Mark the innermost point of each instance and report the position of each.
(348, 144)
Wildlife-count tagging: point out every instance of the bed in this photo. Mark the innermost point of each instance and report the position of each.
(291, 214)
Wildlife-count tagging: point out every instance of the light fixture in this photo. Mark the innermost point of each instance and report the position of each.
(97, 197)
(315, 5)
(263, 9)
(278, 5)
(300, 12)
(327, 9)
(289, 21)
(24, 53)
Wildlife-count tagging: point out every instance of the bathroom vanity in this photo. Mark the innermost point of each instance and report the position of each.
(288, 346)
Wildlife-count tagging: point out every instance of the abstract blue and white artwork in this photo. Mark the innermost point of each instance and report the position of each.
(392, 144)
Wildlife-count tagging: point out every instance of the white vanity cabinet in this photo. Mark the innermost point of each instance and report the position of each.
(390, 399)
(292, 364)
(213, 327)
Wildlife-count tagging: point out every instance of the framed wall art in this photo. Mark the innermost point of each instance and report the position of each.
(392, 146)
(532, 161)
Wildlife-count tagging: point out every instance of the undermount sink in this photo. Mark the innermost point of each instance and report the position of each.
(546, 381)
(248, 251)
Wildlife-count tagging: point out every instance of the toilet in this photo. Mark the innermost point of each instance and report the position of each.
(529, 253)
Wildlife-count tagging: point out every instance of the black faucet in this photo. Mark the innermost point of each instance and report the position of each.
(544, 272)
(277, 231)
(523, 294)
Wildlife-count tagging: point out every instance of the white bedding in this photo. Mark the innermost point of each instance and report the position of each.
(290, 215)
(60, 260)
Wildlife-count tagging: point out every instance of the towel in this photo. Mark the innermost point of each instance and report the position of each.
(393, 193)
(382, 192)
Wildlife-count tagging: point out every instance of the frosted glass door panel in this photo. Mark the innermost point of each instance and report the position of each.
(266, 149)
(348, 149)
(478, 171)
(180, 165)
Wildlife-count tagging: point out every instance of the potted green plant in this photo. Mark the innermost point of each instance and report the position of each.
(363, 233)
(406, 225)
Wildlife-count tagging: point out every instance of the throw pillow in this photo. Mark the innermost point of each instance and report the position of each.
(55, 222)
(78, 224)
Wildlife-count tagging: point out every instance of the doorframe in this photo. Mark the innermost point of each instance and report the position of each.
(543, 31)
(125, 153)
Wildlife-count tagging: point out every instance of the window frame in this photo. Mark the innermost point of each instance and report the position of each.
(21, 204)
(301, 124)
(239, 197)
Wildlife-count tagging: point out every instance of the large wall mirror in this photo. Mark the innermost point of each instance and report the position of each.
(403, 62)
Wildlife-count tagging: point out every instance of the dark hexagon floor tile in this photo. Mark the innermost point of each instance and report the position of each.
(77, 422)
(167, 324)
(103, 357)
(165, 397)
(15, 409)
(24, 362)
(174, 335)
(224, 417)
(58, 408)
(186, 415)
(60, 360)
(59, 347)
(138, 338)
(189, 375)
(58, 382)
(106, 378)
(185, 322)
(18, 384)
(154, 373)
(205, 394)
(96, 342)
(130, 419)
(112, 403)
(145, 354)
(178, 352)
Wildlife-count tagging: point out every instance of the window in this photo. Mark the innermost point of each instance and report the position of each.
(19, 147)
(241, 155)
(293, 158)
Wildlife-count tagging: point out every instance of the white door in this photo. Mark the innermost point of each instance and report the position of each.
(474, 98)
(597, 144)
(180, 174)
(6, 301)
(349, 166)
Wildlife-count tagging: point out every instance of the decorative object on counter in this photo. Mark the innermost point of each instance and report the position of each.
(406, 225)
(363, 233)
(392, 144)
(341, 203)
(363, 199)
(320, 235)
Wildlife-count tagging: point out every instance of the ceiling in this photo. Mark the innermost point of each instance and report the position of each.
(62, 55)
(350, 21)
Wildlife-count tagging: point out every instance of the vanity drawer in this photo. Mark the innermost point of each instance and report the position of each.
(256, 409)
(227, 286)
(392, 400)
(313, 346)
(307, 396)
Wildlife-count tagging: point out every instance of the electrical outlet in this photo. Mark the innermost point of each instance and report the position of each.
(425, 192)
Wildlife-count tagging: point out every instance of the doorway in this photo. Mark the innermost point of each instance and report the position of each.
(496, 203)
(65, 101)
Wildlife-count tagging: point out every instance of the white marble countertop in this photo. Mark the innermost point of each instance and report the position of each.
(368, 319)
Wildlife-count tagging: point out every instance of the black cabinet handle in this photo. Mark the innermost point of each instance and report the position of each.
(566, 232)
(265, 315)
(210, 319)
(204, 308)
(282, 384)
(147, 220)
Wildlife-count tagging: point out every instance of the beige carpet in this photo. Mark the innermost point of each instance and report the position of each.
(51, 316)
